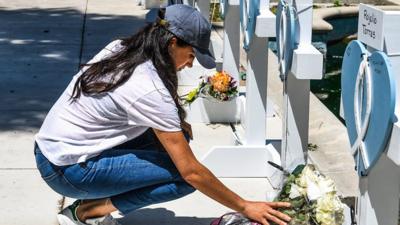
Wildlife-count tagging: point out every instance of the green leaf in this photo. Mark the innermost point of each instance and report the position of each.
(297, 171)
(301, 217)
(298, 202)
(192, 95)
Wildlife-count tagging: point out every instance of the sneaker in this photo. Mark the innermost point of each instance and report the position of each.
(68, 217)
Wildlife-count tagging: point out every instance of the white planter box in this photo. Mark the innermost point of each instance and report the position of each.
(148, 4)
(205, 111)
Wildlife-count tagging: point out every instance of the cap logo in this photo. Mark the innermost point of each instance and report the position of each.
(163, 22)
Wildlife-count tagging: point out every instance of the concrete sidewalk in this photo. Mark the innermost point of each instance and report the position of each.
(42, 44)
(39, 48)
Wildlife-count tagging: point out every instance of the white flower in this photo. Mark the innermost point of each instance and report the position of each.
(315, 183)
(307, 172)
(326, 185)
(313, 190)
(329, 210)
(296, 191)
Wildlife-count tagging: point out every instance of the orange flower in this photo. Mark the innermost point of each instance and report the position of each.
(220, 81)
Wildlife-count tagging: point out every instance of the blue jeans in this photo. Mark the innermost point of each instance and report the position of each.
(133, 175)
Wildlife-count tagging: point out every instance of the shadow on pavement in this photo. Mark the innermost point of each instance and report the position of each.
(40, 51)
(161, 216)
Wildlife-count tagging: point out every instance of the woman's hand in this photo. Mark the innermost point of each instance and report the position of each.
(263, 212)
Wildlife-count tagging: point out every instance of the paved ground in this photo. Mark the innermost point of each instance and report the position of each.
(42, 44)
(39, 48)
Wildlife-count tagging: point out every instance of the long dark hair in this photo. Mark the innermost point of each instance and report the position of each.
(149, 43)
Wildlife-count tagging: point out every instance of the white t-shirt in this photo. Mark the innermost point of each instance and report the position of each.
(75, 131)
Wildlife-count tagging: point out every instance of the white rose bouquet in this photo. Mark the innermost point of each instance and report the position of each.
(313, 197)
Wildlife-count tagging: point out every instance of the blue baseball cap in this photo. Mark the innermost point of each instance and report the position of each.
(188, 24)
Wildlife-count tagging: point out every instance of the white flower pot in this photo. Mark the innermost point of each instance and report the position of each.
(149, 4)
(203, 110)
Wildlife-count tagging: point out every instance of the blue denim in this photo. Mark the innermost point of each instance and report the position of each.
(133, 175)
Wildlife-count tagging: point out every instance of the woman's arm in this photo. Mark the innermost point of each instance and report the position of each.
(203, 180)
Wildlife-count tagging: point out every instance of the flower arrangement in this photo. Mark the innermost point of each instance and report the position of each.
(219, 87)
(313, 197)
